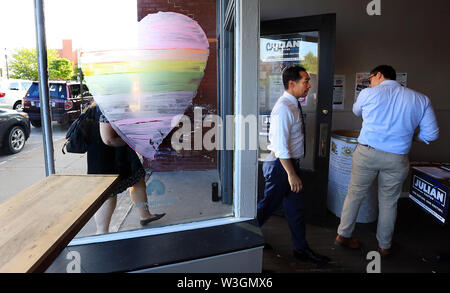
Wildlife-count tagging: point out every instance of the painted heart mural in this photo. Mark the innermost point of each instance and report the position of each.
(141, 90)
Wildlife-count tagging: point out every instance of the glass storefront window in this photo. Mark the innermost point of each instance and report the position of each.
(173, 73)
(161, 80)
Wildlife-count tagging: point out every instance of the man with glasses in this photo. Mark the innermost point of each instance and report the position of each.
(281, 169)
(391, 113)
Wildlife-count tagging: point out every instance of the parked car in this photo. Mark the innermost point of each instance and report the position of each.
(12, 92)
(65, 101)
(14, 130)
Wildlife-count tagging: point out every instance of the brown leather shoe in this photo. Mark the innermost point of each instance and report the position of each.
(347, 242)
(385, 252)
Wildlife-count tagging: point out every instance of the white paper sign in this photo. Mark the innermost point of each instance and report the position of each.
(276, 88)
(338, 92)
(361, 82)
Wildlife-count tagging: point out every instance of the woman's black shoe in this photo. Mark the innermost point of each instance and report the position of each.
(156, 217)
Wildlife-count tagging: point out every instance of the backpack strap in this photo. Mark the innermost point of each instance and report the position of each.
(63, 147)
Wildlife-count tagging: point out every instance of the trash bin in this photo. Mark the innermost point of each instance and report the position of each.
(342, 146)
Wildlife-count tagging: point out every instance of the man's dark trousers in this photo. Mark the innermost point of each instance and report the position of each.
(277, 190)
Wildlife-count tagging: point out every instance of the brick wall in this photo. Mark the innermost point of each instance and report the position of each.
(67, 52)
(204, 12)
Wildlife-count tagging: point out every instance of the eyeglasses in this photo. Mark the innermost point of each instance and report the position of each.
(369, 79)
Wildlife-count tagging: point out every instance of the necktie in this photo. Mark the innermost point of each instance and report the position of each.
(303, 128)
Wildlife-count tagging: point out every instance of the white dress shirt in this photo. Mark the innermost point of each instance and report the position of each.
(285, 132)
(391, 113)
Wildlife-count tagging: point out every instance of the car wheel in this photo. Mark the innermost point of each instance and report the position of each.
(36, 123)
(18, 106)
(16, 140)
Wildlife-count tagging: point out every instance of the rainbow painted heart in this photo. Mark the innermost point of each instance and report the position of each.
(140, 91)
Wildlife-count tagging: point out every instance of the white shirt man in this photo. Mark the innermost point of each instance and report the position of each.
(281, 172)
(286, 129)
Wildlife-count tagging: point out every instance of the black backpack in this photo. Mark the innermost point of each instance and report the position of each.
(79, 133)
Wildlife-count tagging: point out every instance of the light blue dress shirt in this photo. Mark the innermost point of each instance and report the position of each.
(391, 113)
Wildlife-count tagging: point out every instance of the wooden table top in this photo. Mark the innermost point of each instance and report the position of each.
(38, 223)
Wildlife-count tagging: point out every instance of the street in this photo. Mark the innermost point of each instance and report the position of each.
(21, 170)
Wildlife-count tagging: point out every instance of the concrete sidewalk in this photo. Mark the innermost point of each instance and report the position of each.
(24, 169)
(185, 196)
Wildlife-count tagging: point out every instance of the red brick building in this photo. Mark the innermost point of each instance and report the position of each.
(68, 53)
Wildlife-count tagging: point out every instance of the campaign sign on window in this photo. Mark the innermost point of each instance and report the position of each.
(430, 194)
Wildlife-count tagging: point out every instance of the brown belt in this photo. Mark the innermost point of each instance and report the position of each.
(367, 146)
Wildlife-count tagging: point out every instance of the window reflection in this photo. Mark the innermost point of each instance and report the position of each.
(181, 183)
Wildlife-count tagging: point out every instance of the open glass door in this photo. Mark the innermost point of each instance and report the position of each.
(308, 42)
(278, 52)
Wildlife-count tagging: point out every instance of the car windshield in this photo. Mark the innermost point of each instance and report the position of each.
(56, 91)
(33, 91)
(75, 89)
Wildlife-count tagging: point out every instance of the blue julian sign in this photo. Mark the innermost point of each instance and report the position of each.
(430, 195)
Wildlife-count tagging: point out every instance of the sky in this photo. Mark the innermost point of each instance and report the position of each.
(91, 24)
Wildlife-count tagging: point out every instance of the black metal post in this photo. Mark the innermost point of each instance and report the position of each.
(46, 115)
(81, 89)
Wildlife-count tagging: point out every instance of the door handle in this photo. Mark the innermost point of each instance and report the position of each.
(323, 138)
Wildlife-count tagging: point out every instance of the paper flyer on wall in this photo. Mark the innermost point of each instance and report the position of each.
(338, 92)
(402, 78)
(276, 88)
(362, 81)
(262, 96)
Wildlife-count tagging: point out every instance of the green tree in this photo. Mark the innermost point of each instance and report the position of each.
(311, 63)
(24, 65)
(60, 69)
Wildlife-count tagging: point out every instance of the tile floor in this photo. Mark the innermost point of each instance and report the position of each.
(420, 242)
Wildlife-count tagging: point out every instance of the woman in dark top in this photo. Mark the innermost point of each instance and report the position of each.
(109, 154)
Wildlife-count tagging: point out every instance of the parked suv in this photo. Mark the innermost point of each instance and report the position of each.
(12, 92)
(65, 101)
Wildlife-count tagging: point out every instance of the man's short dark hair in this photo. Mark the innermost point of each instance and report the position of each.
(292, 73)
(387, 71)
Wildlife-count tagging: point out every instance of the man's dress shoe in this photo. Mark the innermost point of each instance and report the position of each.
(309, 255)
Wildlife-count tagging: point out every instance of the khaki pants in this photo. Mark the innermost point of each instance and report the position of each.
(392, 170)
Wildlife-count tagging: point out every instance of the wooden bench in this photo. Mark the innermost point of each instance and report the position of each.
(38, 223)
